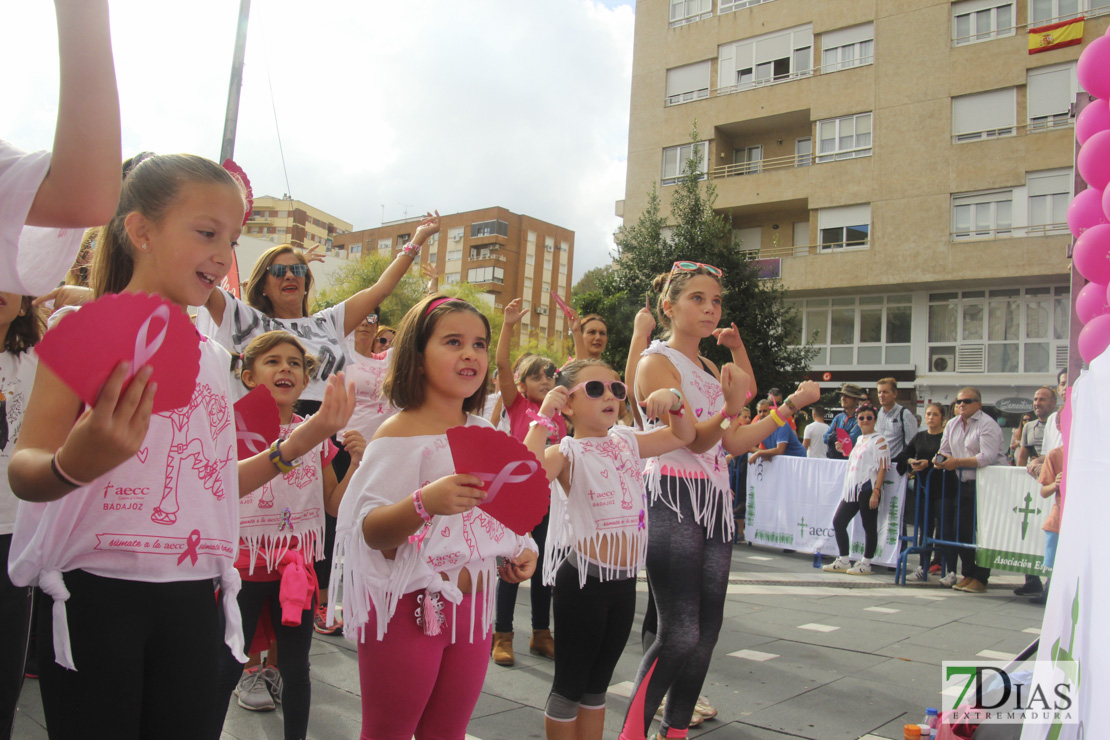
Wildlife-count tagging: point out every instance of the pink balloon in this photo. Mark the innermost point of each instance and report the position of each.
(1092, 119)
(1094, 338)
(1091, 70)
(1091, 302)
(1091, 255)
(1094, 160)
(1085, 211)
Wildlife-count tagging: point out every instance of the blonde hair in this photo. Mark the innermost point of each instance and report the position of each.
(257, 282)
(150, 189)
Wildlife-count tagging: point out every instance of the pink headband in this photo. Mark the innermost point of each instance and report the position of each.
(439, 302)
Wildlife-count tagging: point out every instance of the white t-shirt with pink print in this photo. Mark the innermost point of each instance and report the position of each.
(169, 513)
(367, 373)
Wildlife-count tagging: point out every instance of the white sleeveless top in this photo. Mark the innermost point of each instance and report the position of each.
(706, 473)
(169, 513)
(870, 454)
(605, 507)
(392, 469)
(289, 507)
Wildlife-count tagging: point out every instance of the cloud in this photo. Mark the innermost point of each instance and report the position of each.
(414, 106)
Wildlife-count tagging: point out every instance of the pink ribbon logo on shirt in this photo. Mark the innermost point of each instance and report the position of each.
(285, 519)
(254, 442)
(191, 544)
(144, 349)
(506, 476)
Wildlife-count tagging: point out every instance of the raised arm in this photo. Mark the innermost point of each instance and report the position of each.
(679, 431)
(656, 372)
(731, 338)
(536, 440)
(362, 303)
(513, 314)
(83, 184)
(576, 335)
(740, 439)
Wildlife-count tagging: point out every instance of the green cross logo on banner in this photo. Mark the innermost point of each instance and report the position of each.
(802, 528)
(1025, 512)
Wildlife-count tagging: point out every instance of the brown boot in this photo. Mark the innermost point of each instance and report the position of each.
(502, 652)
(542, 643)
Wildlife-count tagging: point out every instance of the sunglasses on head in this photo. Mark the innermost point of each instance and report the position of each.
(297, 269)
(686, 266)
(961, 401)
(371, 318)
(596, 388)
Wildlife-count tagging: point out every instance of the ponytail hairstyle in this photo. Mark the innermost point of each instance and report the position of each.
(263, 343)
(151, 187)
(669, 286)
(253, 294)
(403, 383)
(26, 329)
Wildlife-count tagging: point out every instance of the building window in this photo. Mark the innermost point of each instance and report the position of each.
(1050, 92)
(688, 82)
(688, 11)
(530, 259)
(1049, 193)
(454, 254)
(489, 228)
(869, 330)
(451, 277)
(527, 285)
(748, 240)
(563, 268)
(747, 160)
(456, 234)
(984, 115)
(485, 275)
(385, 245)
(848, 47)
(727, 6)
(844, 138)
(547, 263)
(546, 288)
(356, 249)
(403, 239)
(844, 227)
(432, 257)
(483, 253)
(1041, 11)
(803, 152)
(981, 20)
(676, 159)
(564, 246)
(761, 60)
(1010, 330)
(982, 215)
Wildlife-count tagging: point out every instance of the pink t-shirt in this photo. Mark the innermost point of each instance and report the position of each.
(519, 420)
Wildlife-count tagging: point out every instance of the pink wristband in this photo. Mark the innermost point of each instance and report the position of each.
(544, 421)
(412, 250)
(62, 475)
(418, 502)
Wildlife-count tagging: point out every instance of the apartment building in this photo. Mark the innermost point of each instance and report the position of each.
(508, 255)
(288, 221)
(903, 167)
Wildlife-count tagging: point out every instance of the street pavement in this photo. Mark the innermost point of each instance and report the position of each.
(802, 654)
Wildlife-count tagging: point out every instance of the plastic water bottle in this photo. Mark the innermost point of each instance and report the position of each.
(817, 558)
(932, 718)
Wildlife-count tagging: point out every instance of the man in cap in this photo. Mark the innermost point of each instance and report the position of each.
(850, 396)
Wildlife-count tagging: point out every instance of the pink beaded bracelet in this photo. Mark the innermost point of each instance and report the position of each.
(544, 421)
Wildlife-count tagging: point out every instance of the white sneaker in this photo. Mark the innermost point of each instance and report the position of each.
(839, 565)
(860, 569)
(917, 576)
(252, 692)
(949, 580)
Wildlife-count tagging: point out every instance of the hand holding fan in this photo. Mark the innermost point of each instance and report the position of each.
(518, 493)
(845, 441)
(257, 423)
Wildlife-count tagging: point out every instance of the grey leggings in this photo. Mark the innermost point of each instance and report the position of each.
(688, 574)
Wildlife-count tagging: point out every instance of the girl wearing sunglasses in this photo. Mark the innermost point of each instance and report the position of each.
(599, 540)
(690, 524)
(863, 484)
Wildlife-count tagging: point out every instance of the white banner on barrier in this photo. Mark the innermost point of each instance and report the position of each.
(792, 500)
(1010, 512)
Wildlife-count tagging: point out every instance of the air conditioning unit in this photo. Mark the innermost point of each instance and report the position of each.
(944, 363)
(541, 309)
(549, 248)
(457, 238)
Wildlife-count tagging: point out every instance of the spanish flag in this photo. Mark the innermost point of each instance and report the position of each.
(1056, 36)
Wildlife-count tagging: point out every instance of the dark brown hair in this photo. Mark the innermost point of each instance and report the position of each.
(403, 383)
(151, 188)
(263, 343)
(592, 317)
(257, 281)
(25, 331)
(670, 291)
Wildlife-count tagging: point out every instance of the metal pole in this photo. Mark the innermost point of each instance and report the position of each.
(227, 149)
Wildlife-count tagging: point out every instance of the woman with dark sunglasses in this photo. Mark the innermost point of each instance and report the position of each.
(276, 297)
(690, 520)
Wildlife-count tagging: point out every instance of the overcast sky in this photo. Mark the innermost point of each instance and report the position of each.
(448, 104)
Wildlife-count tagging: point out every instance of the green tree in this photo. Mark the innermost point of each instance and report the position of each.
(698, 233)
(589, 281)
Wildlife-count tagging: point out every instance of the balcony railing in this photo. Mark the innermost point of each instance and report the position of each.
(713, 92)
(1008, 232)
(789, 161)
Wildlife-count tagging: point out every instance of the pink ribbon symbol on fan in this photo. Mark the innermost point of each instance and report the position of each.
(285, 520)
(254, 441)
(144, 350)
(191, 544)
(506, 476)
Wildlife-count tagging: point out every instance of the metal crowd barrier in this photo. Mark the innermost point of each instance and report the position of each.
(922, 542)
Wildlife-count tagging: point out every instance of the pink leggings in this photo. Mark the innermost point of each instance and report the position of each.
(418, 686)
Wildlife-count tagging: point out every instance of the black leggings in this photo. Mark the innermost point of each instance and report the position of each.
(847, 511)
(15, 630)
(593, 623)
(540, 594)
(688, 573)
(145, 653)
(293, 645)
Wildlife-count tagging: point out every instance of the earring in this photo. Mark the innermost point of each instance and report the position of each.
(145, 247)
